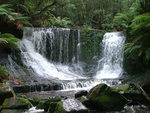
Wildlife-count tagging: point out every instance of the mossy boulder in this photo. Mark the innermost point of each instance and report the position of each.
(16, 103)
(128, 88)
(105, 98)
(134, 94)
(50, 104)
(5, 92)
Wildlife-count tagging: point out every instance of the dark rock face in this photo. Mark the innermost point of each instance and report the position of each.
(104, 98)
(81, 93)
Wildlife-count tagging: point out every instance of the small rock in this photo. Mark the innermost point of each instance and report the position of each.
(81, 93)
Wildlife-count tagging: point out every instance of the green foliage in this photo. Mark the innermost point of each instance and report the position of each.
(6, 10)
(58, 22)
(139, 45)
(90, 39)
(8, 14)
(8, 41)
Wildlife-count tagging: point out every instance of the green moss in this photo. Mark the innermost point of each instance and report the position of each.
(105, 98)
(51, 102)
(16, 103)
(59, 108)
(4, 74)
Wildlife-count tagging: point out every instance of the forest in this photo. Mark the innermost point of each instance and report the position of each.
(94, 19)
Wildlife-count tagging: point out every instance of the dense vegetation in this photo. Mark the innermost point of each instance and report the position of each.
(132, 16)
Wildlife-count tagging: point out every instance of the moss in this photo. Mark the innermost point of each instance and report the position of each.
(105, 98)
(16, 103)
(51, 102)
(59, 108)
(4, 74)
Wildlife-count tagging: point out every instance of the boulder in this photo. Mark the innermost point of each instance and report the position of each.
(73, 106)
(16, 103)
(134, 94)
(81, 93)
(66, 106)
(5, 92)
(51, 104)
(105, 98)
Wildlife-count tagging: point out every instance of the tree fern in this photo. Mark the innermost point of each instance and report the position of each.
(8, 41)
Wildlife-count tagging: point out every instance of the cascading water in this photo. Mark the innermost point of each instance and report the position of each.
(54, 54)
(38, 53)
(110, 66)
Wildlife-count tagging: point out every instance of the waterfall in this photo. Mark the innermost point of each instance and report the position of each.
(111, 64)
(49, 52)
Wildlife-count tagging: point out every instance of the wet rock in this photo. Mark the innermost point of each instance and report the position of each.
(73, 105)
(5, 92)
(70, 106)
(65, 106)
(104, 98)
(31, 87)
(16, 103)
(81, 93)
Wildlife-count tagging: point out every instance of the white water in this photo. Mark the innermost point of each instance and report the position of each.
(34, 51)
(47, 52)
(111, 64)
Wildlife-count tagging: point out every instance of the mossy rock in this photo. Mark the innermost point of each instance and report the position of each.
(55, 107)
(16, 103)
(134, 93)
(5, 92)
(4, 74)
(35, 101)
(50, 102)
(128, 88)
(105, 98)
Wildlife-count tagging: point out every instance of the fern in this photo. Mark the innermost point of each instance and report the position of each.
(8, 41)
